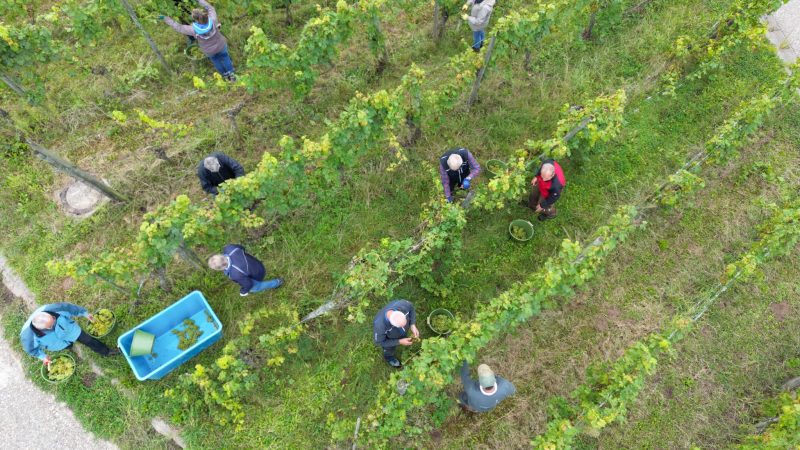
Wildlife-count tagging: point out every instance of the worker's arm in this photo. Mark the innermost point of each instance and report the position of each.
(555, 194)
(474, 167)
(180, 28)
(379, 334)
(412, 314)
(233, 164)
(30, 346)
(445, 181)
(205, 183)
(69, 308)
(480, 18)
(465, 379)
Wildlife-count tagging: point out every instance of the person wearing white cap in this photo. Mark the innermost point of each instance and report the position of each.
(457, 168)
(391, 326)
(486, 393)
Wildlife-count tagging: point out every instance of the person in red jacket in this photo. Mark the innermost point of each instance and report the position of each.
(546, 188)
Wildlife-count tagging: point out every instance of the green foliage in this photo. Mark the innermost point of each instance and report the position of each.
(741, 25)
(433, 368)
(522, 28)
(784, 433)
(221, 389)
(25, 45)
(598, 121)
(275, 65)
(376, 273)
(681, 182)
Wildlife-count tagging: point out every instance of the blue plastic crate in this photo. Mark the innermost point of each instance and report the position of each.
(165, 348)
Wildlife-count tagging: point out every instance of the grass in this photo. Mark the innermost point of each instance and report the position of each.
(337, 371)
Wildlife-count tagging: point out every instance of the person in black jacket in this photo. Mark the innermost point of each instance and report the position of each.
(216, 169)
(244, 269)
(457, 168)
(391, 327)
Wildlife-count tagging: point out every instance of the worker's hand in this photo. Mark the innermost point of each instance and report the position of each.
(47, 360)
(406, 341)
(465, 7)
(90, 317)
(465, 16)
(466, 183)
(539, 208)
(415, 331)
(533, 181)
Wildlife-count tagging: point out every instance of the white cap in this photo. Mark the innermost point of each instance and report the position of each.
(454, 162)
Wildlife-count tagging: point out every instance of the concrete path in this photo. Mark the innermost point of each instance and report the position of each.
(32, 418)
(784, 30)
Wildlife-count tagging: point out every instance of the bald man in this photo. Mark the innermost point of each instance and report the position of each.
(53, 327)
(391, 326)
(546, 188)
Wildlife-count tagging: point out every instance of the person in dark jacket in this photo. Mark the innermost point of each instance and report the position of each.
(457, 168)
(52, 328)
(546, 188)
(216, 169)
(244, 269)
(486, 393)
(391, 327)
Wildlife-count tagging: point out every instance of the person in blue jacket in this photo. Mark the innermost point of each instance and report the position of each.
(52, 328)
(244, 269)
(391, 327)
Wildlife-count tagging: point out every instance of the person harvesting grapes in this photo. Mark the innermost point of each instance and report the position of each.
(486, 393)
(478, 19)
(457, 168)
(205, 28)
(546, 188)
(243, 269)
(216, 169)
(53, 327)
(391, 326)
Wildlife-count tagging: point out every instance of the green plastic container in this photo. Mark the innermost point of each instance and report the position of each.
(142, 343)
(440, 312)
(525, 225)
(494, 167)
(43, 370)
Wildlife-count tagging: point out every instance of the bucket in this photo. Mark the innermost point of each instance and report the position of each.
(525, 226)
(436, 327)
(61, 356)
(99, 316)
(142, 343)
(495, 167)
(193, 52)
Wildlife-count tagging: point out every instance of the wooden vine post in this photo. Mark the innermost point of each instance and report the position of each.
(146, 35)
(13, 85)
(474, 95)
(73, 171)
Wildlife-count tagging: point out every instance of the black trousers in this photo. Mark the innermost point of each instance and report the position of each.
(94, 344)
(388, 353)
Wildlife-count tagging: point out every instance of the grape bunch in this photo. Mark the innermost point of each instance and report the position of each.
(60, 368)
(189, 335)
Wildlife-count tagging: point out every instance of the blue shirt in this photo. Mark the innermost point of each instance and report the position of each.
(65, 331)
